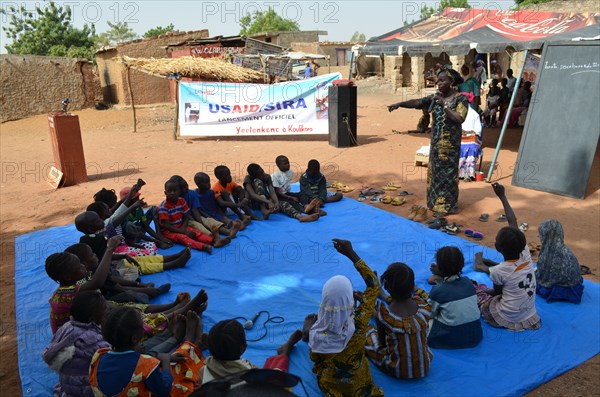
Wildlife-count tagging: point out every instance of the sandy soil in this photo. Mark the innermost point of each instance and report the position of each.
(28, 203)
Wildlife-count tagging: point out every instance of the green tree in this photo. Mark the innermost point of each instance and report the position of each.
(358, 37)
(48, 31)
(521, 3)
(426, 12)
(157, 31)
(118, 33)
(266, 21)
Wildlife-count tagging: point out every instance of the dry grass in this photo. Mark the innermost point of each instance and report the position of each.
(209, 69)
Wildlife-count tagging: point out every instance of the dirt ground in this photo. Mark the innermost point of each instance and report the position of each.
(117, 157)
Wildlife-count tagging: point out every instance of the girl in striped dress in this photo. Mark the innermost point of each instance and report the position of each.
(398, 345)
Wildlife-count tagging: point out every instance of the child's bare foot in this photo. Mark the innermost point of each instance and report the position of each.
(287, 346)
(222, 242)
(214, 230)
(309, 218)
(245, 222)
(199, 331)
(191, 325)
(310, 207)
(479, 265)
(255, 218)
(309, 321)
(182, 297)
(154, 292)
(182, 260)
(198, 303)
(235, 228)
(163, 244)
(266, 212)
(177, 326)
(207, 248)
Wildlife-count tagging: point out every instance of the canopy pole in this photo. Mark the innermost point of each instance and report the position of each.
(506, 118)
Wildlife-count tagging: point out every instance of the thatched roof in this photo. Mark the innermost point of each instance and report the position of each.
(208, 69)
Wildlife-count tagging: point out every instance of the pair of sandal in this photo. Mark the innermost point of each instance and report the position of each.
(393, 200)
(340, 187)
(367, 191)
(485, 217)
(474, 234)
(391, 186)
(437, 223)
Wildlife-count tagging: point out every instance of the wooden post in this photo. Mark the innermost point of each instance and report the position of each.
(176, 109)
(131, 97)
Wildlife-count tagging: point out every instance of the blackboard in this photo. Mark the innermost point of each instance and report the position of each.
(563, 125)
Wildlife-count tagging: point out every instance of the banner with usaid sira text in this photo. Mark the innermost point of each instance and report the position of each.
(237, 109)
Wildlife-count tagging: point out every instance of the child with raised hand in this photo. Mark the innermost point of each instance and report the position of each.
(66, 269)
(313, 185)
(72, 347)
(200, 220)
(288, 201)
(142, 220)
(174, 215)
(230, 195)
(227, 343)
(91, 225)
(122, 370)
(511, 303)
(398, 345)
(456, 317)
(210, 206)
(337, 336)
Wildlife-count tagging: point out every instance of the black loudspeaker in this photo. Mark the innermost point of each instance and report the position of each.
(342, 116)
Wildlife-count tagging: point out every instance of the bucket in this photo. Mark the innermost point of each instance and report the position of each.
(479, 176)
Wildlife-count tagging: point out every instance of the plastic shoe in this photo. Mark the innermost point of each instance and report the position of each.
(421, 215)
(413, 212)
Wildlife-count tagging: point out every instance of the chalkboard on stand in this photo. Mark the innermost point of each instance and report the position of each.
(563, 125)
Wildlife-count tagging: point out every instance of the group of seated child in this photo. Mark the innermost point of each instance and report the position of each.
(99, 279)
(109, 340)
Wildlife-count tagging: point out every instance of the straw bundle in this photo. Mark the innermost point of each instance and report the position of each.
(209, 69)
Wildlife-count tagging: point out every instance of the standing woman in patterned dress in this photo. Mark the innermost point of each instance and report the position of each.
(449, 109)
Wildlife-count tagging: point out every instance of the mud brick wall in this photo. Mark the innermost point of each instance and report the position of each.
(32, 85)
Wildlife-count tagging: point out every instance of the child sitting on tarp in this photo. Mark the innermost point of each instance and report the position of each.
(209, 205)
(91, 225)
(260, 190)
(456, 317)
(398, 345)
(174, 215)
(200, 220)
(122, 370)
(313, 185)
(227, 343)
(288, 201)
(66, 269)
(142, 220)
(511, 303)
(230, 195)
(337, 334)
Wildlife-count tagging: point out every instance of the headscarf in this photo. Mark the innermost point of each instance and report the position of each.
(557, 266)
(335, 323)
(453, 75)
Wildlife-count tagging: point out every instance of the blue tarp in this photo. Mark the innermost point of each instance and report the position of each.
(280, 265)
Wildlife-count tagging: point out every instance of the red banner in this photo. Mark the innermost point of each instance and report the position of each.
(514, 25)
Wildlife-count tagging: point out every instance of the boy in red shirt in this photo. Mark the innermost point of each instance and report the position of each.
(174, 215)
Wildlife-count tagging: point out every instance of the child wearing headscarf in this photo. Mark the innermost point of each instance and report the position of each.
(337, 338)
(558, 272)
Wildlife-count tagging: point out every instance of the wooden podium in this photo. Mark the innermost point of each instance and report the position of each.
(67, 147)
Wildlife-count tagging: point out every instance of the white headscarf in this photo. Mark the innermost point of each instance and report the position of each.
(335, 324)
